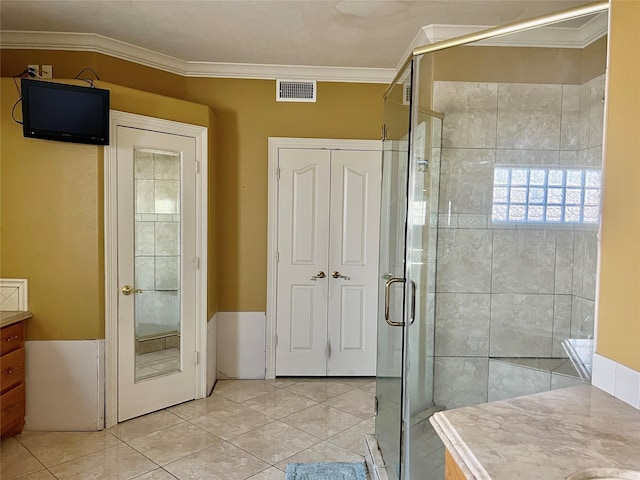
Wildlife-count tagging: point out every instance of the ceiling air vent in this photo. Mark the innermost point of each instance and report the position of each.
(295, 90)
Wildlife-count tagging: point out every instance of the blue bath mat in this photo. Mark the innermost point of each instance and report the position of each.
(326, 471)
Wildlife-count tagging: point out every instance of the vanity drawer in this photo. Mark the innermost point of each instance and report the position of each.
(12, 411)
(11, 337)
(12, 369)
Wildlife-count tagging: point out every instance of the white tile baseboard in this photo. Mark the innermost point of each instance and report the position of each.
(616, 379)
(241, 345)
(212, 326)
(64, 385)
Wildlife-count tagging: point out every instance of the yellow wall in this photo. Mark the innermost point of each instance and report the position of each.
(246, 115)
(521, 64)
(619, 302)
(51, 216)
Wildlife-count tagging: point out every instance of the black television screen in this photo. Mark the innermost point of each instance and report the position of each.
(68, 113)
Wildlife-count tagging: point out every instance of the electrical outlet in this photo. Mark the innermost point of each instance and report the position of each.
(47, 71)
(36, 70)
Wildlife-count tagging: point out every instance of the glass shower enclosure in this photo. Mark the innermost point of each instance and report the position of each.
(490, 211)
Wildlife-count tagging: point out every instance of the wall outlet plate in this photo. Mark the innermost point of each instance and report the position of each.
(46, 71)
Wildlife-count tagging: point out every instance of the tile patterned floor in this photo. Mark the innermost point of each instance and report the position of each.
(246, 429)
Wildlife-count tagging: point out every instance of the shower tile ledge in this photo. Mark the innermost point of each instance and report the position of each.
(549, 435)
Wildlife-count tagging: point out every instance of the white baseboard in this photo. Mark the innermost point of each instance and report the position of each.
(212, 326)
(64, 385)
(616, 379)
(241, 345)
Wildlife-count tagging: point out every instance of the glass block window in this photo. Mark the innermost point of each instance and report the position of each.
(546, 195)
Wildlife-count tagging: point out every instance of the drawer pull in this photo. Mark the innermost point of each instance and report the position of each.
(11, 370)
(11, 338)
(10, 409)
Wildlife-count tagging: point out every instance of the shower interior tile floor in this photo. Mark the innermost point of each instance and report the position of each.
(246, 429)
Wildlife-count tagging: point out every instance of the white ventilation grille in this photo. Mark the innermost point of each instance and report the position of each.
(295, 90)
(406, 93)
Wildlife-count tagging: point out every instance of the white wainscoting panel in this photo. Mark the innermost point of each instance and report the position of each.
(616, 379)
(241, 345)
(64, 385)
(212, 326)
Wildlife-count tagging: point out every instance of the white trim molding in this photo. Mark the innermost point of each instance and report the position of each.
(546, 37)
(14, 294)
(199, 133)
(616, 379)
(275, 144)
(91, 42)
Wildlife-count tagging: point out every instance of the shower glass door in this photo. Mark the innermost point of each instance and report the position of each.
(395, 162)
(410, 186)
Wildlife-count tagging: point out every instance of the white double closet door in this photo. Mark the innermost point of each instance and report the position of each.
(328, 236)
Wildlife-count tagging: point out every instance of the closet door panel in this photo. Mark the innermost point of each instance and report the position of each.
(303, 235)
(353, 262)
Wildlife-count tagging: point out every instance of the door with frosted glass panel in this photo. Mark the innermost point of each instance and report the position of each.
(156, 272)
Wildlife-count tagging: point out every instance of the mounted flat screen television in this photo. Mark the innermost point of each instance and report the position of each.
(67, 113)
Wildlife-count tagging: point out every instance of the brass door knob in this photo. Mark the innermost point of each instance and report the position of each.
(337, 274)
(318, 275)
(128, 290)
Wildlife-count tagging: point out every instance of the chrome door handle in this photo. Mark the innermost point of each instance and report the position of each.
(128, 290)
(337, 274)
(387, 289)
(318, 275)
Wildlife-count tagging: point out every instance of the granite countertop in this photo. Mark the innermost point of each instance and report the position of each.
(9, 318)
(546, 436)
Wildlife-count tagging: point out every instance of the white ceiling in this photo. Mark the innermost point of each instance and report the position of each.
(335, 33)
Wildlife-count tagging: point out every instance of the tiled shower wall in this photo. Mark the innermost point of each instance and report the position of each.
(157, 242)
(507, 290)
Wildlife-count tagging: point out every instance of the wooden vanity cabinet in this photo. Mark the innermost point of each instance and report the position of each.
(451, 469)
(12, 404)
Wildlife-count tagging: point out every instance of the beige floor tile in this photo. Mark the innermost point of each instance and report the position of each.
(274, 442)
(41, 475)
(198, 408)
(369, 387)
(279, 403)
(53, 448)
(223, 462)
(232, 421)
(322, 452)
(141, 426)
(318, 390)
(16, 461)
(114, 463)
(352, 439)
(158, 474)
(174, 443)
(355, 382)
(356, 402)
(269, 474)
(322, 420)
(242, 390)
(283, 382)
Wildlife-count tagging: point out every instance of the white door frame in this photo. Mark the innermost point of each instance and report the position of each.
(199, 133)
(276, 143)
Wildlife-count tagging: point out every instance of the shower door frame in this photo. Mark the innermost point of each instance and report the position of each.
(541, 21)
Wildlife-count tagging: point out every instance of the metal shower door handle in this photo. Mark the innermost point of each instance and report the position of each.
(413, 303)
(387, 289)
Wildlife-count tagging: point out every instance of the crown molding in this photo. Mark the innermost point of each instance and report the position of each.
(11, 39)
(546, 37)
